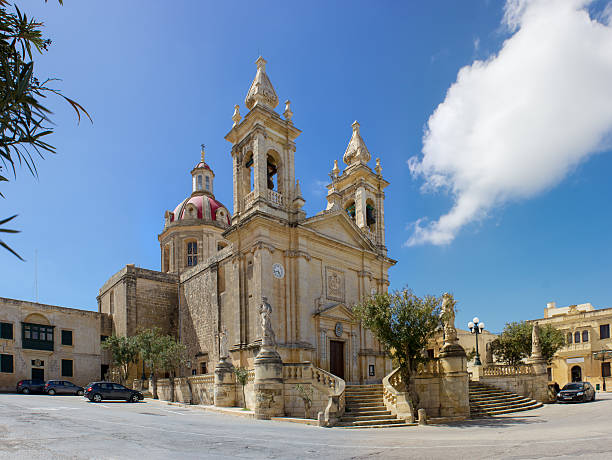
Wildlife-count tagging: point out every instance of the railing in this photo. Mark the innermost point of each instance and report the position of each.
(251, 376)
(328, 383)
(429, 367)
(202, 379)
(275, 197)
(497, 371)
(248, 200)
(369, 234)
(395, 397)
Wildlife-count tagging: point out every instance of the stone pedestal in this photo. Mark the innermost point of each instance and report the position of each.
(454, 382)
(225, 385)
(269, 396)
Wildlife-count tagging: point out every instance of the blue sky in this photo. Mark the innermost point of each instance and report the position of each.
(160, 78)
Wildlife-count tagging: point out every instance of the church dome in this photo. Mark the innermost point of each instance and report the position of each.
(201, 207)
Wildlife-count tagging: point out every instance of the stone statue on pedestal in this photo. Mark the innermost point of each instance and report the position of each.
(448, 319)
(268, 339)
(223, 350)
(536, 348)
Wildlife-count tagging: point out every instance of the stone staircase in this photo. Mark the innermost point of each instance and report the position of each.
(486, 401)
(365, 408)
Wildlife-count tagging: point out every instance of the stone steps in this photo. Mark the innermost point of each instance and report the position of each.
(487, 401)
(365, 408)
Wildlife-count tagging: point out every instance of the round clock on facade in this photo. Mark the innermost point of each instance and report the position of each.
(278, 270)
(338, 329)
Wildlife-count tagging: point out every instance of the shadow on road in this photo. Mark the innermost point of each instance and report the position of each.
(497, 422)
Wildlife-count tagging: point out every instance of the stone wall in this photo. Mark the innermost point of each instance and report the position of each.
(199, 315)
(202, 389)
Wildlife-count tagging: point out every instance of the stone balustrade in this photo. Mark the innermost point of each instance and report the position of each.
(248, 199)
(275, 198)
(501, 370)
(327, 391)
(395, 397)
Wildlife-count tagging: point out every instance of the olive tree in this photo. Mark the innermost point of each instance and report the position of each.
(403, 323)
(514, 343)
(124, 353)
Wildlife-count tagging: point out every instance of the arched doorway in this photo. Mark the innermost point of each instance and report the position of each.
(576, 374)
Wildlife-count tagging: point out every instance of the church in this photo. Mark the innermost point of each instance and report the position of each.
(217, 266)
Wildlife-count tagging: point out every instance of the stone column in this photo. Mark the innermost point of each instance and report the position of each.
(269, 395)
(454, 379)
(225, 385)
(539, 389)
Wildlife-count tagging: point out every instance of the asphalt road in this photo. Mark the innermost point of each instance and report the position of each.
(67, 427)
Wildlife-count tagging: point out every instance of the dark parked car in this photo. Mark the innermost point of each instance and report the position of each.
(30, 386)
(97, 391)
(62, 387)
(577, 391)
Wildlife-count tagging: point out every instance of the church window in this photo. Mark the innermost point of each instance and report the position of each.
(370, 216)
(576, 337)
(585, 336)
(272, 174)
(112, 302)
(192, 253)
(207, 183)
(350, 210)
(249, 173)
(199, 182)
(203, 368)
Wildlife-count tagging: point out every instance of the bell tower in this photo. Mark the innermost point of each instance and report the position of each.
(263, 153)
(359, 191)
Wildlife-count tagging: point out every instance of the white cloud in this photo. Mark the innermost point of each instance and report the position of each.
(517, 124)
(476, 44)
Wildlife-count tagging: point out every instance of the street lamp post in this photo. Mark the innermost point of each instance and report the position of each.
(602, 356)
(476, 327)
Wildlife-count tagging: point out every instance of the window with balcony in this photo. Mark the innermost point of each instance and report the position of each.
(604, 331)
(569, 338)
(37, 336)
(6, 331)
(576, 337)
(605, 369)
(585, 336)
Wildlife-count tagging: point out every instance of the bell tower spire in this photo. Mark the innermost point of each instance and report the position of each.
(263, 152)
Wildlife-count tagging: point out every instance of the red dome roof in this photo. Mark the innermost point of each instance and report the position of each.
(202, 165)
(206, 207)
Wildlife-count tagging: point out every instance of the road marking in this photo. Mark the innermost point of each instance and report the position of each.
(103, 405)
(54, 408)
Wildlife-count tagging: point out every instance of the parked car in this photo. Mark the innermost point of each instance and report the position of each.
(577, 391)
(30, 386)
(98, 391)
(63, 387)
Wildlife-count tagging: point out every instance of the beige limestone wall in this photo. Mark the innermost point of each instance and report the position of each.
(84, 352)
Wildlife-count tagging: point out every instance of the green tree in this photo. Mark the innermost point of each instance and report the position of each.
(24, 120)
(514, 343)
(173, 359)
(124, 352)
(242, 377)
(150, 344)
(403, 323)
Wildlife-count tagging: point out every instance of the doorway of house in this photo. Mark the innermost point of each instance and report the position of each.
(38, 374)
(336, 358)
(576, 374)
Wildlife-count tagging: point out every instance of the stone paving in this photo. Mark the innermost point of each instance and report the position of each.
(38, 426)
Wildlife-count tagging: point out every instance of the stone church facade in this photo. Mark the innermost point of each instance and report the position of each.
(217, 266)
